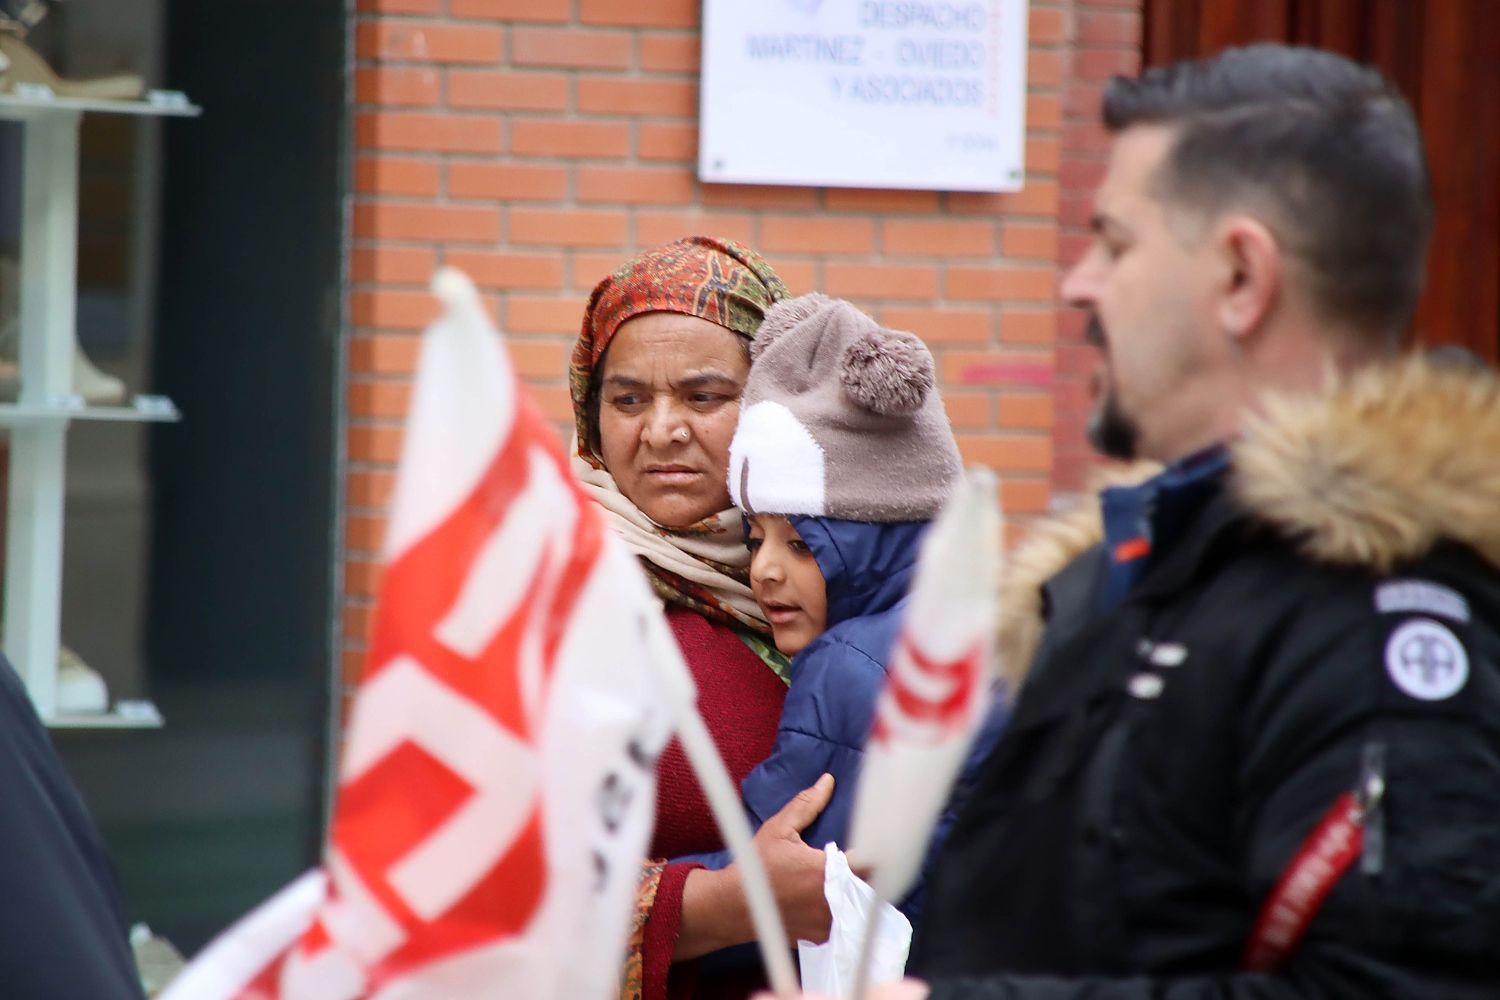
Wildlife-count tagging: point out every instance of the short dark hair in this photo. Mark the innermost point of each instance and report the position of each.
(1328, 147)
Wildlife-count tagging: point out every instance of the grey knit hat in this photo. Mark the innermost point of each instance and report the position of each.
(840, 418)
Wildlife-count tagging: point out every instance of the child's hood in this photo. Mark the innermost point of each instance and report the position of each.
(867, 567)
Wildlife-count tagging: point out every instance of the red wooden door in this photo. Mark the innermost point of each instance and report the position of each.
(1445, 56)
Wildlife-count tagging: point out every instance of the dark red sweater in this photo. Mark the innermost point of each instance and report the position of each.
(740, 700)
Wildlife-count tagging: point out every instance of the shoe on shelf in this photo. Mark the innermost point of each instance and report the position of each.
(28, 68)
(96, 388)
(80, 689)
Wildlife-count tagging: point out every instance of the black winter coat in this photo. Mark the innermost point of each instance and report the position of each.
(62, 923)
(1168, 757)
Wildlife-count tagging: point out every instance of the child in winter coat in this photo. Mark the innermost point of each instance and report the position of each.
(842, 455)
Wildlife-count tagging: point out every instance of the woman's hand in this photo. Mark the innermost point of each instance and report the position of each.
(714, 912)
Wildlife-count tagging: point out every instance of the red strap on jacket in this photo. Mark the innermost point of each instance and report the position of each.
(1321, 860)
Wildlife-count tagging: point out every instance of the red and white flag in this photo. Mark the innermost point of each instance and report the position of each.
(496, 790)
(937, 689)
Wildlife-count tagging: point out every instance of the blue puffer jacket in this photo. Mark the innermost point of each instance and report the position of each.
(830, 706)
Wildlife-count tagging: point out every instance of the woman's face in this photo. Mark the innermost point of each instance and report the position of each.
(669, 396)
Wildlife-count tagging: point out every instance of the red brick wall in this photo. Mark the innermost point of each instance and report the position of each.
(537, 143)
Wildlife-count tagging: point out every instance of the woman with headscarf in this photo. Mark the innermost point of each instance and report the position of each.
(656, 379)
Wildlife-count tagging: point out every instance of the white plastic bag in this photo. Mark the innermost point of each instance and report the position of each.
(830, 968)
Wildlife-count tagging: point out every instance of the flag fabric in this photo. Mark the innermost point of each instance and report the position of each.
(937, 689)
(497, 784)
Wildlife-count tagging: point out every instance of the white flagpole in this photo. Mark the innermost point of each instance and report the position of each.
(730, 814)
(954, 591)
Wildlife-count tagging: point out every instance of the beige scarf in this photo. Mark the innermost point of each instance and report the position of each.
(710, 554)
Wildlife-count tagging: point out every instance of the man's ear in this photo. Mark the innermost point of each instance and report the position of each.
(1254, 275)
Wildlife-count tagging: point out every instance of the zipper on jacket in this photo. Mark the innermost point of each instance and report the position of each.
(1369, 796)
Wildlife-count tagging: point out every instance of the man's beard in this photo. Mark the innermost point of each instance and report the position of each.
(1111, 430)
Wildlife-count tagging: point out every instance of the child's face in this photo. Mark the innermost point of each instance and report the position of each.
(787, 583)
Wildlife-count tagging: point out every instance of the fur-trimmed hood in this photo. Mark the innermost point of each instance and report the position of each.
(1376, 472)
(1373, 473)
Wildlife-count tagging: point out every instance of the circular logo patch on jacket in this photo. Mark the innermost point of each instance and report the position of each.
(1426, 660)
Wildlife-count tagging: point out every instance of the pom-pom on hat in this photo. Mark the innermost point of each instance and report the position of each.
(840, 418)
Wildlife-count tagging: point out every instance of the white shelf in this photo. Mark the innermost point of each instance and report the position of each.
(28, 104)
(39, 421)
(126, 715)
(159, 409)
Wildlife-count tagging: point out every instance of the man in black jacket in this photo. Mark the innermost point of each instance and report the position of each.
(1257, 750)
(62, 923)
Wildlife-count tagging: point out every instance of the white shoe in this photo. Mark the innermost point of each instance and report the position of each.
(80, 689)
(96, 388)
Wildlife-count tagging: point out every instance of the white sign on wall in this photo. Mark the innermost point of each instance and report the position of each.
(926, 94)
